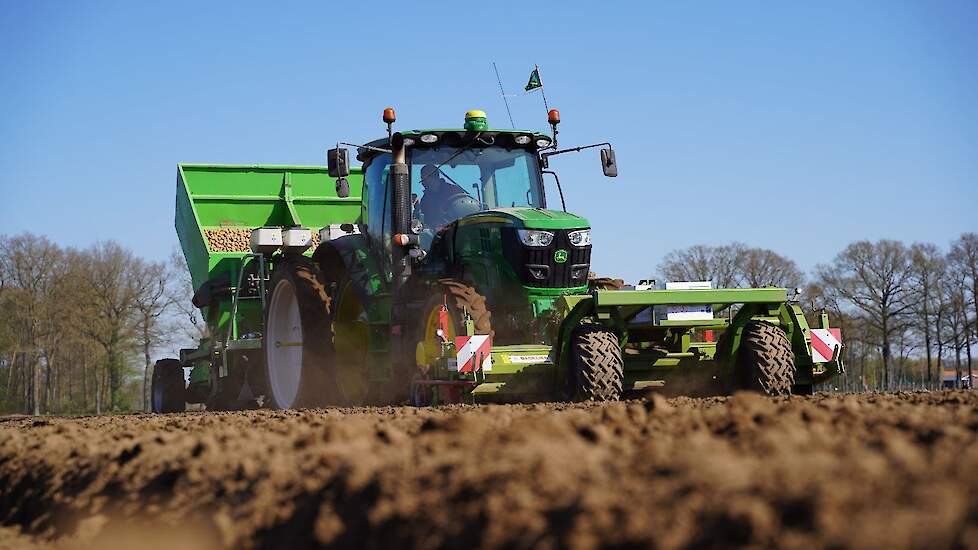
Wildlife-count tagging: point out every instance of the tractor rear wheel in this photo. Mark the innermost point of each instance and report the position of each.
(167, 388)
(298, 348)
(351, 341)
(765, 361)
(598, 369)
(604, 283)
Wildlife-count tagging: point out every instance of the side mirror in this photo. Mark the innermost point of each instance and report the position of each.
(608, 164)
(338, 162)
(342, 188)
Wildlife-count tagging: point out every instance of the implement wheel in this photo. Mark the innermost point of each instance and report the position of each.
(167, 388)
(299, 370)
(765, 362)
(598, 369)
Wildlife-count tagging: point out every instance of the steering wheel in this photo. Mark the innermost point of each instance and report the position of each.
(461, 205)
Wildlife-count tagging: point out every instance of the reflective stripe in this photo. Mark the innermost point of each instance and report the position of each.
(824, 343)
(470, 346)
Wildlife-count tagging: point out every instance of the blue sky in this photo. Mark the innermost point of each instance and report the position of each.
(798, 127)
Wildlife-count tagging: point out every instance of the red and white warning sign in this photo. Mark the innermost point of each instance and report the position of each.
(824, 343)
(474, 353)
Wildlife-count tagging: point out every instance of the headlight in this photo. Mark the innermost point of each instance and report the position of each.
(429, 138)
(543, 142)
(522, 140)
(531, 237)
(580, 238)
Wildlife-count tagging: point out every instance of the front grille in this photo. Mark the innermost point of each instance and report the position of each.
(536, 265)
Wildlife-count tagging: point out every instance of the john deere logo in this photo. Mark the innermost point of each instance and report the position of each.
(560, 256)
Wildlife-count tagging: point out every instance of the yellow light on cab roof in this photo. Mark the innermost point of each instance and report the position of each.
(475, 121)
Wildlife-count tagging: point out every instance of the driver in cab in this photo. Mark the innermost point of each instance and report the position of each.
(437, 197)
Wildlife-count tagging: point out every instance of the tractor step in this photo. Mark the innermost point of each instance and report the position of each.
(488, 388)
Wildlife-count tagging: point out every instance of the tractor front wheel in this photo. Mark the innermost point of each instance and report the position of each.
(167, 388)
(598, 368)
(765, 362)
(456, 298)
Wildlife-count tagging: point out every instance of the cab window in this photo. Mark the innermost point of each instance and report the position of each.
(378, 195)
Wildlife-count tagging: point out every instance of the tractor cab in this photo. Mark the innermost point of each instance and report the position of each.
(470, 204)
(453, 174)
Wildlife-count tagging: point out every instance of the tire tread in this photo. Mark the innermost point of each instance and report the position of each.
(768, 361)
(599, 368)
(168, 376)
(462, 295)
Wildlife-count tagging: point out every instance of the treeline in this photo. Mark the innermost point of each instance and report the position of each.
(79, 328)
(908, 313)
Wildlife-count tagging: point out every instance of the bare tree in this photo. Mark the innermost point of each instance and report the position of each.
(27, 262)
(731, 265)
(113, 284)
(759, 267)
(704, 263)
(152, 301)
(927, 267)
(181, 288)
(76, 318)
(874, 278)
(958, 326)
(861, 344)
(73, 322)
(964, 259)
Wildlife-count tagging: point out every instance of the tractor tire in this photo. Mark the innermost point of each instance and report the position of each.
(765, 362)
(604, 283)
(458, 297)
(167, 387)
(350, 337)
(298, 367)
(598, 369)
(461, 296)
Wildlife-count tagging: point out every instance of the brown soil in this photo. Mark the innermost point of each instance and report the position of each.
(886, 471)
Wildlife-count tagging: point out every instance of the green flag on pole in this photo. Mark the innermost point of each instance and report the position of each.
(534, 82)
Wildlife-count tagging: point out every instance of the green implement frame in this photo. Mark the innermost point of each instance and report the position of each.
(680, 348)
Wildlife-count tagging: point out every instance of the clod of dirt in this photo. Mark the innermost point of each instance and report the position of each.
(826, 471)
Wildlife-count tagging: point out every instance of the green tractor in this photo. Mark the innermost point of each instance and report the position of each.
(442, 274)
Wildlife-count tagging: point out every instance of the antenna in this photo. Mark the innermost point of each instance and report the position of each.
(503, 94)
(546, 107)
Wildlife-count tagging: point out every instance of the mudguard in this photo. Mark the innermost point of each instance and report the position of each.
(351, 254)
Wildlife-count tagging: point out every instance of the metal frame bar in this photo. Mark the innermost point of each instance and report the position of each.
(611, 298)
(232, 331)
(266, 198)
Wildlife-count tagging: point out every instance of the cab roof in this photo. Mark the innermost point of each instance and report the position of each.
(455, 137)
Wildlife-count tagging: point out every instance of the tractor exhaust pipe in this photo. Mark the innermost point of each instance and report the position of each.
(402, 198)
(401, 206)
(401, 181)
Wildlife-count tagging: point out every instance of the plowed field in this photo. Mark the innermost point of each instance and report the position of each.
(884, 471)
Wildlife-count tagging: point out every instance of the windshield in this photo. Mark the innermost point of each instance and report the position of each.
(450, 182)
